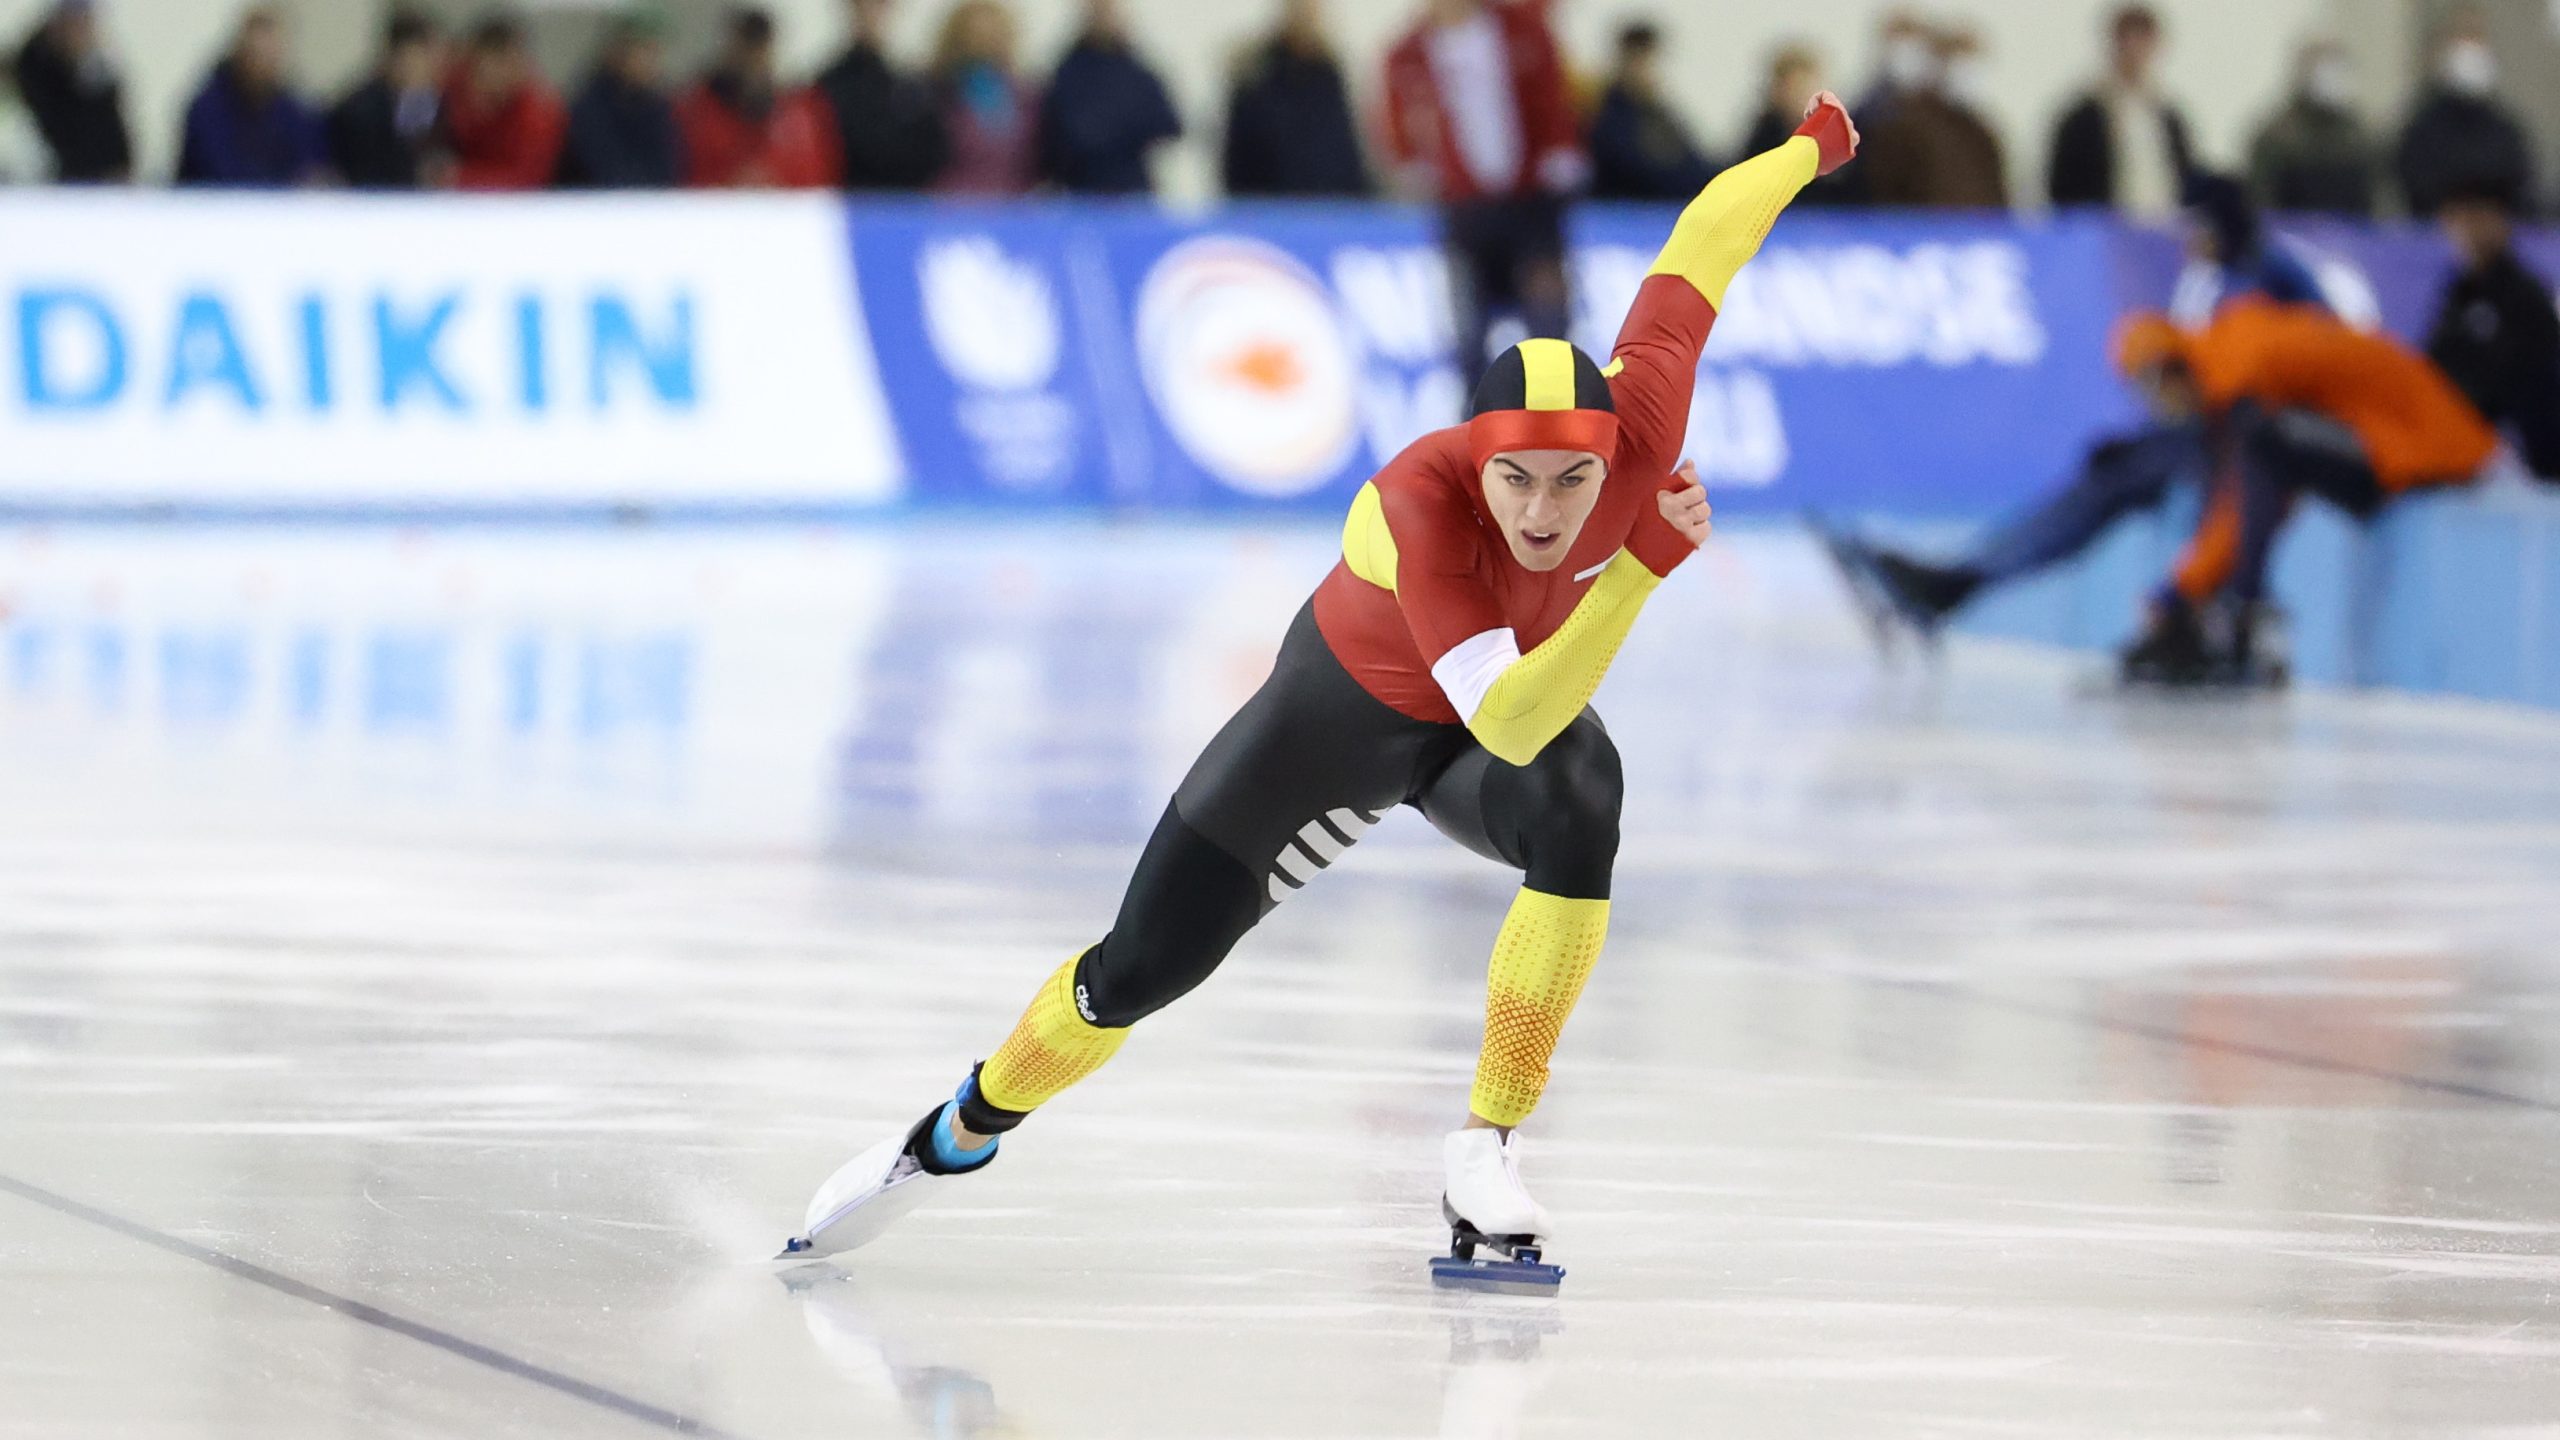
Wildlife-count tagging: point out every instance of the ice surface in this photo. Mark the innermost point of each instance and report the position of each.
(435, 968)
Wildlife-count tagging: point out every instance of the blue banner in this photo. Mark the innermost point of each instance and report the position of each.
(710, 354)
(1273, 357)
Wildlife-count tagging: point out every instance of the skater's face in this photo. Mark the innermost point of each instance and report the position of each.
(1541, 498)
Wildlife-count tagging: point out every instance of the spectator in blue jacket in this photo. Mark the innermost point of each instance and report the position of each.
(245, 127)
(2230, 254)
(1639, 148)
(1104, 112)
(622, 127)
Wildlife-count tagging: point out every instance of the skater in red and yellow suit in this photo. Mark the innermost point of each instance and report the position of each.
(2299, 403)
(1488, 575)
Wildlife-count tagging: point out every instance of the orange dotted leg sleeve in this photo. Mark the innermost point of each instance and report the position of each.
(1540, 961)
(2215, 551)
(1051, 1048)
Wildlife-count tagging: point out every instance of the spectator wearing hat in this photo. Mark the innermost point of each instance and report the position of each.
(71, 89)
(2461, 135)
(2230, 256)
(888, 127)
(1907, 62)
(504, 123)
(2316, 155)
(622, 127)
(245, 127)
(1933, 149)
(743, 130)
(1105, 112)
(1290, 129)
(2123, 144)
(1640, 150)
(2496, 335)
(386, 135)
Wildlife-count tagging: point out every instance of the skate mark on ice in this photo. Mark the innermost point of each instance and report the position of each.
(357, 1310)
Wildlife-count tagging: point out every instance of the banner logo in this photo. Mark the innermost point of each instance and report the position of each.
(1248, 364)
(994, 321)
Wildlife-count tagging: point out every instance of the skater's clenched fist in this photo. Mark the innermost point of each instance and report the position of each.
(1685, 505)
(1686, 520)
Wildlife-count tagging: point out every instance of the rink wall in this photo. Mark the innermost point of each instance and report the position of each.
(2448, 594)
(708, 357)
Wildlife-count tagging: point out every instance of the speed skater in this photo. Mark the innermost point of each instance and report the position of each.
(1488, 576)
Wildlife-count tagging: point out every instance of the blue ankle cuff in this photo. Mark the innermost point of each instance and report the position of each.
(946, 1150)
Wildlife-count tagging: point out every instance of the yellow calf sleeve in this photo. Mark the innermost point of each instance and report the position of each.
(1051, 1048)
(1547, 947)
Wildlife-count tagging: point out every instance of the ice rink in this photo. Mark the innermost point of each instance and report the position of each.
(436, 967)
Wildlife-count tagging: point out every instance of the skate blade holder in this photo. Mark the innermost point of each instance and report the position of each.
(1522, 1272)
(1499, 1277)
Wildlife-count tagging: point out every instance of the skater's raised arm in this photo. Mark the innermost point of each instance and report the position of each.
(1654, 369)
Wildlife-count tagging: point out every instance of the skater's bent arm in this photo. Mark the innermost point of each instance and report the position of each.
(1654, 369)
(1535, 696)
(1514, 703)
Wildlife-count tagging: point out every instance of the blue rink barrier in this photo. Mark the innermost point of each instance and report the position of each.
(2446, 593)
(711, 358)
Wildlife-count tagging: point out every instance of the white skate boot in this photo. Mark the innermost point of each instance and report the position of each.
(883, 1183)
(1486, 1205)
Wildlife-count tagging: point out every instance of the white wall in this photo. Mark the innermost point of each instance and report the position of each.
(2228, 59)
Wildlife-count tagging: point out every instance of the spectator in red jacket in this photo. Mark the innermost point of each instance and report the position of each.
(1479, 117)
(742, 130)
(504, 123)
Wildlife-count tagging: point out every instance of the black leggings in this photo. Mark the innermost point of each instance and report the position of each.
(1299, 775)
(2285, 453)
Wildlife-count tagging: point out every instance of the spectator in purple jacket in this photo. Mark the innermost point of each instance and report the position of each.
(990, 115)
(245, 128)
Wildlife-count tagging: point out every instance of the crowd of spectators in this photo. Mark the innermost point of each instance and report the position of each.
(474, 111)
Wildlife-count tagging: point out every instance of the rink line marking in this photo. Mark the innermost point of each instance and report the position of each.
(2170, 1036)
(353, 1309)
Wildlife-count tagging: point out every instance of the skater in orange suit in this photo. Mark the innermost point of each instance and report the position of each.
(2299, 403)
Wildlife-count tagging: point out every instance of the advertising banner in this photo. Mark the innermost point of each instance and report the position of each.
(342, 351)
(740, 354)
(1273, 357)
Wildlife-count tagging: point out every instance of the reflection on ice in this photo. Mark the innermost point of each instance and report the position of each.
(506, 929)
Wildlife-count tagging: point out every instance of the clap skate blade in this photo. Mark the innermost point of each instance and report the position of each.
(1521, 1270)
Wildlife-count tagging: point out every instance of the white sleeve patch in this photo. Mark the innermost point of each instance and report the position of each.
(1471, 667)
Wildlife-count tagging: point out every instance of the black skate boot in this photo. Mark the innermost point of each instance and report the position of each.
(2173, 652)
(2260, 658)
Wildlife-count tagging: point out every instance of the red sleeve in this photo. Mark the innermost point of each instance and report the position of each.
(710, 149)
(1546, 99)
(826, 147)
(1655, 372)
(546, 129)
(1441, 581)
(1404, 82)
(526, 149)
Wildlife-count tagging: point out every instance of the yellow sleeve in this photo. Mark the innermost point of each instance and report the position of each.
(1722, 229)
(1541, 692)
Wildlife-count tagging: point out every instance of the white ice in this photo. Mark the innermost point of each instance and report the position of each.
(436, 967)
